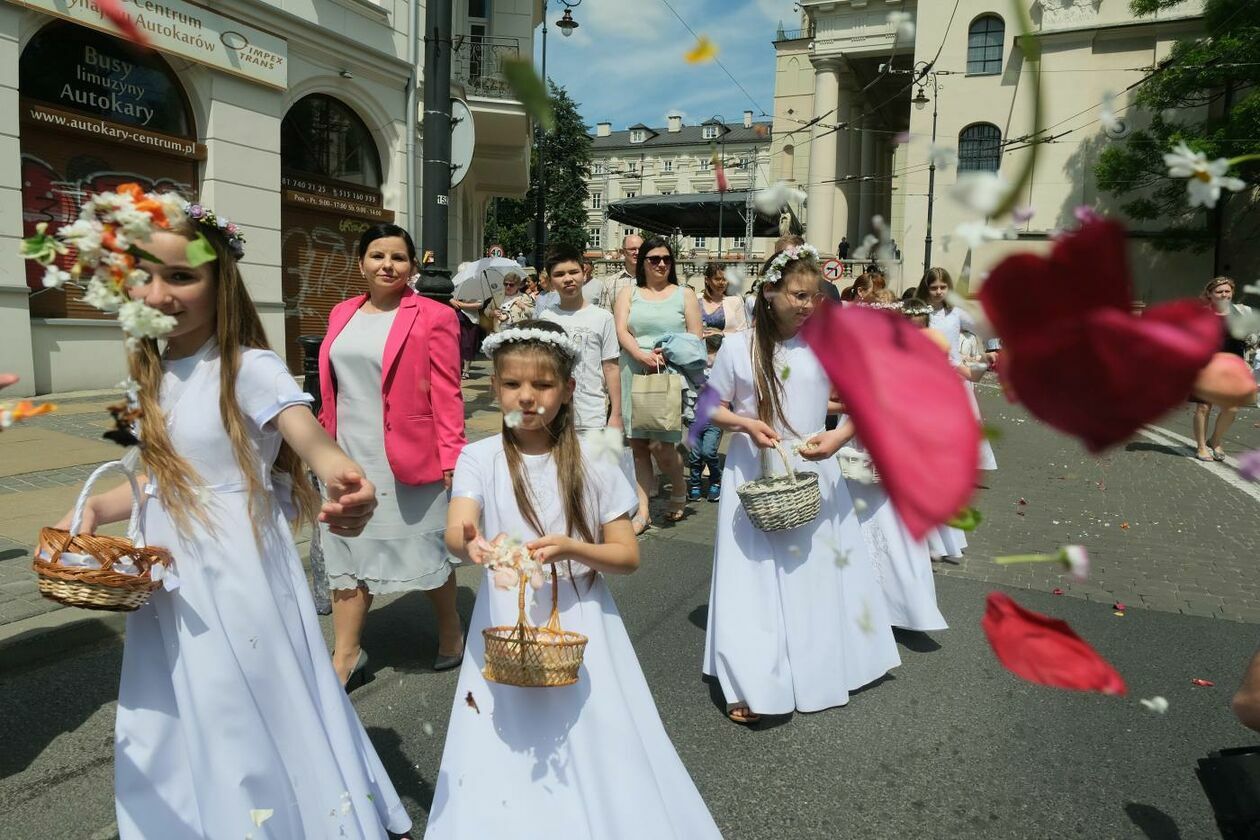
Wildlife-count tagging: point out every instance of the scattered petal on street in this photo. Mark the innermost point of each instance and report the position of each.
(1202, 683)
(1158, 705)
(1045, 650)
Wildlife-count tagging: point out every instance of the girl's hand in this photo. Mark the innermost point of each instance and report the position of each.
(821, 446)
(552, 548)
(761, 433)
(480, 551)
(89, 520)
(654, 359)
(351, 500)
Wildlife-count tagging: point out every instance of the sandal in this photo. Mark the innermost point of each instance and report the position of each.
(743, 715)
(1218, 454)
(678, 509)
(1205, 455)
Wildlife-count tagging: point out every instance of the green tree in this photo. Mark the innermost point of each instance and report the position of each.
(567, 151)
(1220, 74)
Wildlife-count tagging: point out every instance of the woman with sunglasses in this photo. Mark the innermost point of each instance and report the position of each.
(653, 308)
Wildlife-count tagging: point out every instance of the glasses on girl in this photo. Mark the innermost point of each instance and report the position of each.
(656, 259)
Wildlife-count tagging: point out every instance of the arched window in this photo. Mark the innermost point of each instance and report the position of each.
(789, 162)
(979, 148)
(984, 45)
(321, 136)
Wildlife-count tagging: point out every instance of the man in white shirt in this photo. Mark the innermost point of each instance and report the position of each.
(597, 376)
(626, 277)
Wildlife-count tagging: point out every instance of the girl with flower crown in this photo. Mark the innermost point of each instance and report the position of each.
(796, 617)
(590, 759)
(230, 719)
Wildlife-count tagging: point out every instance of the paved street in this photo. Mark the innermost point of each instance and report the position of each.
(949, 746)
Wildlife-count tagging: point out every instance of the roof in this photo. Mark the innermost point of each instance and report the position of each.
(689, 135)
(697, 214)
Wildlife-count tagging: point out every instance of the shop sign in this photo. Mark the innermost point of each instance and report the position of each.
(331, 204)
(179, 28)
(343, 192)
(95, 127)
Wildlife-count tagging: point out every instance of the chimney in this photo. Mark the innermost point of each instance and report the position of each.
(748, 119)
(675, 123)
(603, 129)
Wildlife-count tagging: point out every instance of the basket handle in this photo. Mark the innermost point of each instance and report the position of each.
(787, 462)
(133, 524)
(553, 623)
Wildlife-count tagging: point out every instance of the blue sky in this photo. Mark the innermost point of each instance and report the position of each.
(624, 63)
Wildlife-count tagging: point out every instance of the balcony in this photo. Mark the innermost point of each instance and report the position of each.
(477, 64)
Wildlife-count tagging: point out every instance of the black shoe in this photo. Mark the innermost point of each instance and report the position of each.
(359, 676)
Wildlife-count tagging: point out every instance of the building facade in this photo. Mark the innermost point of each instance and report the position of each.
(676, 160)
(294, 124)
(978, 100)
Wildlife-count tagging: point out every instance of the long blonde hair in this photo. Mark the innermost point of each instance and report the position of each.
(766, 338)
(237, 327)
(566, 450)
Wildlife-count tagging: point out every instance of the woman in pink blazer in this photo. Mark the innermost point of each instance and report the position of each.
(389, 380)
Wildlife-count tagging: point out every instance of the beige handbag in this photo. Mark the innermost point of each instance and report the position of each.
(656, 402)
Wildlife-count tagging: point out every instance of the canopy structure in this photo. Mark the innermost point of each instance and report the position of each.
(699, 214)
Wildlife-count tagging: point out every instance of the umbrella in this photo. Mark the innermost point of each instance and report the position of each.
(484, 278)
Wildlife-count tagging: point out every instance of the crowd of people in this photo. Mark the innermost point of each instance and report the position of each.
(229, 701)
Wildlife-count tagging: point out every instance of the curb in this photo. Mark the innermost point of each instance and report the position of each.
(37, 639)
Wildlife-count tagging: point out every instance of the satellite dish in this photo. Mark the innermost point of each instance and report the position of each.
(463, 141)
(1121, 129)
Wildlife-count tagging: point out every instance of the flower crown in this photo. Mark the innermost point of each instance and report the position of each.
(774, 272)
(230, 230)
(513, 335)
(104, 238)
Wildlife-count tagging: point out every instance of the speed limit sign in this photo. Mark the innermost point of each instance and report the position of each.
(832, 269)
(495, 251)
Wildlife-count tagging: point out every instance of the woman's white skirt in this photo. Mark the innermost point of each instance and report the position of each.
(797, 619)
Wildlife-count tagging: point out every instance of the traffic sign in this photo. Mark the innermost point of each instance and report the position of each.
(832, 269)
(495, 251)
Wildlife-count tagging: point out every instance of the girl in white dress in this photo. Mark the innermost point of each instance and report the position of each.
(231, 721)
(796, 618)
(950, 321)
(587, 760)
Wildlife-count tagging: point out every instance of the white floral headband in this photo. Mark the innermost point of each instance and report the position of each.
(520, 334)
(774, 273)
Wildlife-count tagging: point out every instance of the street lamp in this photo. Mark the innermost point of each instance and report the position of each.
(566, 24)
(920, 102)
(724, 130)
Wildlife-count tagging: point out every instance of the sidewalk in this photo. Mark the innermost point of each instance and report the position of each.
(43, 465)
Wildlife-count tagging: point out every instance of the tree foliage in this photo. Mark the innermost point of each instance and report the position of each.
(567, 152)
(1206, 93)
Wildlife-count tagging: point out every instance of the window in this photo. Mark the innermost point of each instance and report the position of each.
(979, 148)
(631, 194)
(634, 167)
(704, 163)
(984, 45)
(595, 237)
(597, 200)
(668, 165)
(638, 135)
(738, 243)
(700, 242)
(709, 132)
(628, 232)
(667, 192)
(598, 168)
(323, 136)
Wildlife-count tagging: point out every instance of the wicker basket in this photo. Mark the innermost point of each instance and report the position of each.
(534, 657)
(99, 588)
(856, 465)
(780, 502)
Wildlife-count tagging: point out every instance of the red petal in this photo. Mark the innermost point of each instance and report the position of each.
(722, 184)
(113, 10)
(909, 407)
(1045, 650)
(1226, 381)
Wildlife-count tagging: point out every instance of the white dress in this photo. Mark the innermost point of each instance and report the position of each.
(590, 760)
(228, 701)
(796, 618)
(403, 547)
(902, 564)
(951, 324)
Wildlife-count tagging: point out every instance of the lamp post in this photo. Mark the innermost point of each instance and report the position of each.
(566, 25)
(721, 138)
(920, 102)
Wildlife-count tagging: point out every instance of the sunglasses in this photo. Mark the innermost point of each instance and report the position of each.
(655, 259)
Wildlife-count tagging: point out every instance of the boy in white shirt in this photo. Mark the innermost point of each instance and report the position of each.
(597, 375)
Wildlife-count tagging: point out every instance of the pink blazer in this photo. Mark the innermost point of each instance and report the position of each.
(420, 376)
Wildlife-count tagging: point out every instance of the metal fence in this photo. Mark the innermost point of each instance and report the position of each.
(477, 64)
